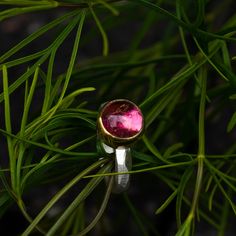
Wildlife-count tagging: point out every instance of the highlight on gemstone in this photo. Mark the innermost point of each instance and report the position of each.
(122, 118)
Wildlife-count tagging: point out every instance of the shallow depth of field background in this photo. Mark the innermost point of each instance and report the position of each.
(146, 51)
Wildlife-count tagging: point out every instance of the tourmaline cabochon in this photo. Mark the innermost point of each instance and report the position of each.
(122, 119)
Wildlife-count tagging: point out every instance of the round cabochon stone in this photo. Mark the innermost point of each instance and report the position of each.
(122, 118)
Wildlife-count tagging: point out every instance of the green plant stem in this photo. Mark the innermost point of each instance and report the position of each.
(113, 10)
(49, 82)
(195, 31)
(180, 194)
(47, 147)
(28, 2)
(59, 195)
(209, 60)
(26, 215)
(17, 11)
(225, 214)
(136, 216)
(181, 32)
(187, 163)
(81, 197)
(201, 142)
(71, 65)
(101, 210)
(36, 35)
(8, 127)
(22, 131)
(102, 31)
(185, 229)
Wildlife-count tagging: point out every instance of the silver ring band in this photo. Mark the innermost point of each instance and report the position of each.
(123, 163)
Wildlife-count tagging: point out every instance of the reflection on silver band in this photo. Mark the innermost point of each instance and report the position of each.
(123, 163)
(107, 149)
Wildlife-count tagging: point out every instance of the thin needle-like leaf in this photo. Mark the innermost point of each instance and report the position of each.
(7, 114)
(101, 210)
(103, 33)
(22, 129)
(166, 203)
(81, 197)
(37, 34)
(59, 195)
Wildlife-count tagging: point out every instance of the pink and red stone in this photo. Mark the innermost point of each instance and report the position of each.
(122, 119)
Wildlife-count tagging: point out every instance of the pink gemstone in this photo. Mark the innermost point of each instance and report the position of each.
(122, 119)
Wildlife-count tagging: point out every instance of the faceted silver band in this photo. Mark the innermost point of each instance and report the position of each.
(123, 163)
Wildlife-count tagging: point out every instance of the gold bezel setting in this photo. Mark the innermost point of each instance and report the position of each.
(111, 139)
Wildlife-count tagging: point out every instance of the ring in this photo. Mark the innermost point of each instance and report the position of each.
(120, 123)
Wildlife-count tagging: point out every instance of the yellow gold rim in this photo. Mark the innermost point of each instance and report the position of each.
(110, 138)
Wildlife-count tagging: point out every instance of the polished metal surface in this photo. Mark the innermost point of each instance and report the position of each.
(108, 149)
(123, 163)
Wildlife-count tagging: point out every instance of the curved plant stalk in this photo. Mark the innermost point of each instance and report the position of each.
(7, 113)
(81, 197)
(185, 229)
(60, 194)
(101, 210)
(17, 11)
(103, 33)
(22, 131)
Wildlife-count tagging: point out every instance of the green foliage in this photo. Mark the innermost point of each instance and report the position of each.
(183, 80)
